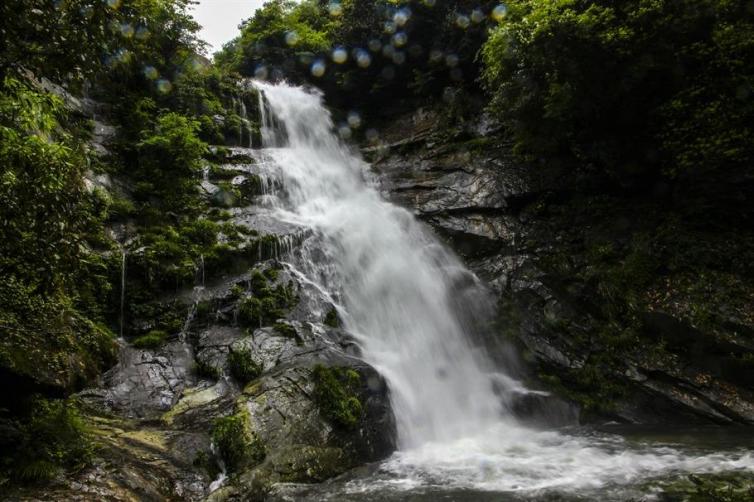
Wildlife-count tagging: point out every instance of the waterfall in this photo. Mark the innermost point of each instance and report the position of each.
(404, 294)
(414, 309)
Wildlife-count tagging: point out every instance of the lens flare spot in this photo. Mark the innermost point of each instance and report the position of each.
(344, 131)
(318, 68)
(462, 21)
(291, 38)
(477, 16)
(164, 86)
(126, 30)
(435, 56)
(400, 39)
(354, 120)
(375, 45)
(339, 55)
(335, 8)
(151, 72)
(389, 27)
(399, 57)
(499, 12)
(363, 59)
(401, 17)
(261, 72)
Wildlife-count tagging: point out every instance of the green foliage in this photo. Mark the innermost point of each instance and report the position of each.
(169, 158)
(632, 88)
(152, 340)
(332, 319)
(336, 394)
(238, 446)
(49, 439)
(242, 366)
(267, 304)
(285, 329)
(285, 38)
(52, 283)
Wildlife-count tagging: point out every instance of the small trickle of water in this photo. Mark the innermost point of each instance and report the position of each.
(124, 255)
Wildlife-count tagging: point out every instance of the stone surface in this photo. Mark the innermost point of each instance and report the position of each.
(489, 209)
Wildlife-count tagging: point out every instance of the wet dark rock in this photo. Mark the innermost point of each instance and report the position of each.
(496, 214)
(147, 383)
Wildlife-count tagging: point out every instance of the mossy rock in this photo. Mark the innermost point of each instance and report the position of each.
(152, 340)
(237, 445)
(242, 365)
(336, 394)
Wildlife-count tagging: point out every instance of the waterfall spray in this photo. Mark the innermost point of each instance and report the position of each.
(403, 292)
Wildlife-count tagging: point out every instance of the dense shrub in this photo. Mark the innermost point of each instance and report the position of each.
(633, 87)
(50, 438)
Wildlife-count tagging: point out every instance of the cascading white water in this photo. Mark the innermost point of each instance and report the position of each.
(398, 284)
(406, 299)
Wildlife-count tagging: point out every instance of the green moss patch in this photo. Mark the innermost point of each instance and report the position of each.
(335, 391)
(152, 340)
(242, 366)
(237, 445)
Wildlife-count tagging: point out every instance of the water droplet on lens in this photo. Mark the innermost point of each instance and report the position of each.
(291, 38)
(363, 59)
(318, 68)
(400, 39)
(375, 45)
(126, 30)
(402, 16)
(334, 8)
(164, 86)
(344, 131)
(150, 72)
(260, 72)
(477, 16)
(339, 55)
(499, 12)
(462, 21)
(354, 120)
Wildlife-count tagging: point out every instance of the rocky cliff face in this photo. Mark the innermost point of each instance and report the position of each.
(258, 386)
(603, 319)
